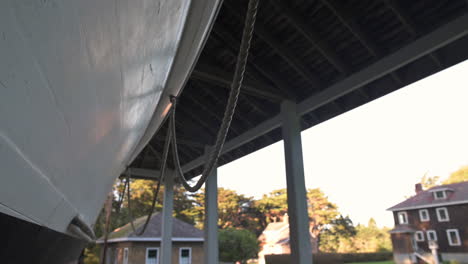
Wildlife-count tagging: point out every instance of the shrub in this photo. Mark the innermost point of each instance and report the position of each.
(237, 245)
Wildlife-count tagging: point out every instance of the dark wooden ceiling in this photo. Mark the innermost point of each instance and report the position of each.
(299, 49)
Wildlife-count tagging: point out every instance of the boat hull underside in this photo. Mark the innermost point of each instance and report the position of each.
(25, 242)
(80, 81)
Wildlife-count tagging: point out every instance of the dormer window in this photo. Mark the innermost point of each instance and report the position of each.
(439, 195)
(403, 218)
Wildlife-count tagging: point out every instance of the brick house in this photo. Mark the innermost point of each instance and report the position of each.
(439, 214)
(125, 247)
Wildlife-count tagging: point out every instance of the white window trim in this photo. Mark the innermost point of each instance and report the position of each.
(146, 254)
(446, 213)
(190, 254)
(444, 194)
(449, 238)
(421, 215)
(416, 236)
(431, 232)
(125, 257)
(399, 219)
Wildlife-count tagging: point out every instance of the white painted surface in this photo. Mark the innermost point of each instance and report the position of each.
(80, 81)
(211, 245)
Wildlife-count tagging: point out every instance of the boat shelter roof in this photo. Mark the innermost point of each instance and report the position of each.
(328, 56)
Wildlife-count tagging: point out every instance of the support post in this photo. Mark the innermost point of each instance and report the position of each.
(210, 245)
(301, 250)
(166, 237)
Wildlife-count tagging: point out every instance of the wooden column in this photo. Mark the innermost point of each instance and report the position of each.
(301, 250)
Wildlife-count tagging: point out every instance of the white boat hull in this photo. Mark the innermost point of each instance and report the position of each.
(83, 86)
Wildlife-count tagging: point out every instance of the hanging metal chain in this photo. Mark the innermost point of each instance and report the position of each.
(230, 107)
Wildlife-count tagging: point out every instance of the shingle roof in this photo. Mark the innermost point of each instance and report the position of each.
(403, 229)
(180, 229)
(458, 194)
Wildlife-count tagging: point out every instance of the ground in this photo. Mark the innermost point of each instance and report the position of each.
(377, 262)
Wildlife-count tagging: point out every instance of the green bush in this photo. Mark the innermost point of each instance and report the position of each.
(237, 245)
(334, 258)
(451, 262)
(363, 257)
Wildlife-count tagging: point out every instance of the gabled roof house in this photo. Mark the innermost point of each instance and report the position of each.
(433, 218)
(125, 247)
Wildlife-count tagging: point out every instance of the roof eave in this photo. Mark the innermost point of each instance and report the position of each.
(150, 239)
(394, 208)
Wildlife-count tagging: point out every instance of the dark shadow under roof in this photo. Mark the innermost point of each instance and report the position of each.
(328, 56)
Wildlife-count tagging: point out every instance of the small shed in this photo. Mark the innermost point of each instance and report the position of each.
(125, 247)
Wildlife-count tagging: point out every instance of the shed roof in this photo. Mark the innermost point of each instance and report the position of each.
(403, 229)
(328, 56)
(457, 194)
(181, 231)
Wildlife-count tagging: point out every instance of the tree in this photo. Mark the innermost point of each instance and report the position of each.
(237, 245)
(370, 238)
(460, 175)
(141, 195)
(321, 211)
(234, 210)
(429, 182)
(364, 239)
(333, 237)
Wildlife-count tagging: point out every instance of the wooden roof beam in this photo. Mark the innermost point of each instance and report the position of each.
(207, 111)
(219, 119)
(218, 77)
(440, 37)
(281, 50)
(245, 120)
(261, 68)
(185, 142)
(347, 19)
(312, 37)
(410, 25)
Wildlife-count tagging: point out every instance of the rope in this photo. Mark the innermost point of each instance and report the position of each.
(156, 190)
(230, 107)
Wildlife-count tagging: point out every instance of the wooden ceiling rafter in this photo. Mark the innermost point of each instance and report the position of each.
(284, 52)
(255, 67)
(411, 26)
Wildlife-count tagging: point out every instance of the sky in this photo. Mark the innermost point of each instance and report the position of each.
(369, 158)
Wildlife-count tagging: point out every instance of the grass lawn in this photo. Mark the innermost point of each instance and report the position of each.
(377, 262)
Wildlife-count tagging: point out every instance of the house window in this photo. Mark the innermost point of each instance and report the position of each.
(403, 218)
(442, 214)
(152, 256)
(431, 235)
(419, 236)
(453, 237)
(185, 256)
(125, 256)
(439, 195)
(424, 215)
